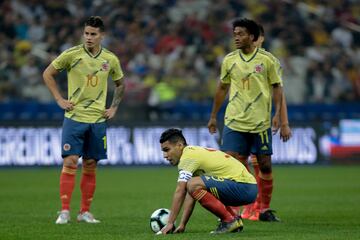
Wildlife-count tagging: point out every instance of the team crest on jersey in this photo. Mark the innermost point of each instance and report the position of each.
(66, 147)
(105, 66)
(259, 68)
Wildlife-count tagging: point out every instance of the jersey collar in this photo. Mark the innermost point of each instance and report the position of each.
(251, 58)
(90, 54)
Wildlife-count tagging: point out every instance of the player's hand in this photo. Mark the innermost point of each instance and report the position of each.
(110, 112)
(285, 132)
(167, 229)
(275, 124)
(180, 229)
(212, 125)
(65, 104)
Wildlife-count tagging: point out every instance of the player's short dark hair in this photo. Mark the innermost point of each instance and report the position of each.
(96, 22)
(251, 26)
(261, 30)
(173, 135)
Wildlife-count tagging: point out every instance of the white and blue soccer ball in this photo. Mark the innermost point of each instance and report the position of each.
(159, 219)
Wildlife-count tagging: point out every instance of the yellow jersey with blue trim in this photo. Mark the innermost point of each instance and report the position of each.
(251, 77)
(87, 76)
(196, 161)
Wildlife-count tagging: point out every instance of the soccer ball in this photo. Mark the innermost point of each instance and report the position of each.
(159, 219)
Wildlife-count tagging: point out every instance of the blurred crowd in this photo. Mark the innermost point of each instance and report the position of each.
(171, 50)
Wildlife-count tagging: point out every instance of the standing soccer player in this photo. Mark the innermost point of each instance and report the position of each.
(213, 178)
(88, 67)
(253, 77)
(252, 211)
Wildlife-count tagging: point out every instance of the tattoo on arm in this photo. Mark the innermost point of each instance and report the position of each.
(118, 93)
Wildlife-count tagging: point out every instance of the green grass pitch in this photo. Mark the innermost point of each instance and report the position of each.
(314, 202)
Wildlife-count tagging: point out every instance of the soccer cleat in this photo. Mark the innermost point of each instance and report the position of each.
(268, 216)
(87, 217)
(241, 225)
(247, 211)
(234, 226)
(63, 218)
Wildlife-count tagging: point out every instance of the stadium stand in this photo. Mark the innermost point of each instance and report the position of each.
(181, 43)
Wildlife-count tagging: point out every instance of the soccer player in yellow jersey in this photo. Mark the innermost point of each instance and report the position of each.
(88, 67)
(213, 178)
(252, 211)
(253, 77)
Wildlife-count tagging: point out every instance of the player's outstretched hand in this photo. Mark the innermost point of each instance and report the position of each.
(285, 132)
(212, 125)
(65, 104)
(180, 229)
(167, 229)
(110, 112)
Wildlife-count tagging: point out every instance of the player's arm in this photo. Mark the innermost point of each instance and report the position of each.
(220, 94)
(285, 131)
(49, 79)
(177, 202)
(118, 95)
(277, 97)
(189, 205)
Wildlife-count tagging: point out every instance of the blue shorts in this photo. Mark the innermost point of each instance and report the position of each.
(245, 143)
(229, 192)
(84, 139)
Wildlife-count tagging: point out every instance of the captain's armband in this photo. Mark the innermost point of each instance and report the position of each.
(184, 176)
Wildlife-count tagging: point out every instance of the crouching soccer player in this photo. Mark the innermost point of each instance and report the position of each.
(213, 178)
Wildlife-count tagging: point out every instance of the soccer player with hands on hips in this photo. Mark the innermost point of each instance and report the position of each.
(252, 76)
(213, 178)
(88, 68)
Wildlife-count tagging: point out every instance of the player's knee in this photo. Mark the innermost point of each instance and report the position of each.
(264, 162)
(193, 185)
(89, 163)
(71, 161)
(190, 187)
(266, 167)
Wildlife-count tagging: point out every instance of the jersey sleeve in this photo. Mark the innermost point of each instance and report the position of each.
(275, 72)
(225, 72)
(116, 71)
(187, 166)
(62, 61)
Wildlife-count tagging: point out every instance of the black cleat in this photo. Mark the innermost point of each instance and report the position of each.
(268, 216)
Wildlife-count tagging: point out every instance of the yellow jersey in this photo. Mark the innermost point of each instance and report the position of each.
(197, 161)
(251, 78)
(87, 81)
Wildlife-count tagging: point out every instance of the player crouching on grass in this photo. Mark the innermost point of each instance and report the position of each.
(213, 178)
